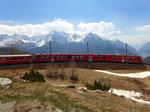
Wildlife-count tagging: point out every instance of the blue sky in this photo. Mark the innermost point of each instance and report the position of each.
(126, 15)
(37, 11)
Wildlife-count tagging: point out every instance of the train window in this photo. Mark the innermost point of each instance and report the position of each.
(99, 57)
(15, 58)
(37, 57)
(81, 57)
(28, 57)
(61, 57)
(65, 56)
(12, 58)
(47, 57)
(77, 56)
(9, 58)
(58, 57)
(131, 58)
(42, 57)
(115, 57)
(21, 58)
(3, 59)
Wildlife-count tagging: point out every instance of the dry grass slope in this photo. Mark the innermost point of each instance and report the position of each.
(26, 96)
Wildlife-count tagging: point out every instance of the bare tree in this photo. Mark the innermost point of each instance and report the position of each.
(74, 76)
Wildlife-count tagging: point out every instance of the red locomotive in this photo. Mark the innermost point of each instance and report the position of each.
(27, 58)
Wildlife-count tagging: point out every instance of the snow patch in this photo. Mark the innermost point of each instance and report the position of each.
(132, 75)
(129, 95)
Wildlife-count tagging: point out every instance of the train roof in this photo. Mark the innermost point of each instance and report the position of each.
(88, 54)
(15, 55)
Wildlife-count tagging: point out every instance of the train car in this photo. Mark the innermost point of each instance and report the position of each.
(86, 57)
(123, 58)
(27, 58)
(13, 59)
(114, 58)
(133, 59)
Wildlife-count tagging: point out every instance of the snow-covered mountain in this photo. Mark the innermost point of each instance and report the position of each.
(65, 43)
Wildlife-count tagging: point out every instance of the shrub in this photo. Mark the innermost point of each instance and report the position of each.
(33, 76)
(98, 86)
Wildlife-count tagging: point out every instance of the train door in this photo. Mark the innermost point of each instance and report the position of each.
(32, 57)
(90, 58)
(123, 59)
(52, 58)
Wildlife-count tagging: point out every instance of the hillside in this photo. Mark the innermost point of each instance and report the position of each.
(146, 60)
(5, 51)
(53, 95)
(144, 50)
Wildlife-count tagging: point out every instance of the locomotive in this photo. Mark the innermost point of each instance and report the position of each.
(29, 58)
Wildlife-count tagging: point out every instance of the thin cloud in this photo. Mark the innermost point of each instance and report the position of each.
(135, 40)
(145, 28)
(6, 21)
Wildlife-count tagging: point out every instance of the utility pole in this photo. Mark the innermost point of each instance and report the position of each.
(126, 55)
(50, 47)
(87, 48)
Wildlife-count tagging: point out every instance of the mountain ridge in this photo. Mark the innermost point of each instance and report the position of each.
(63, 42)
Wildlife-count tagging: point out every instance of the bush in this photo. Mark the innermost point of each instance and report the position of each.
(33, 76)
(98, 86)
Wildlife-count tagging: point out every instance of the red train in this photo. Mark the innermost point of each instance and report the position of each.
(28, 58)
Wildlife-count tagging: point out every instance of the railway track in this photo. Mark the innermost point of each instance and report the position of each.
(89, 65)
